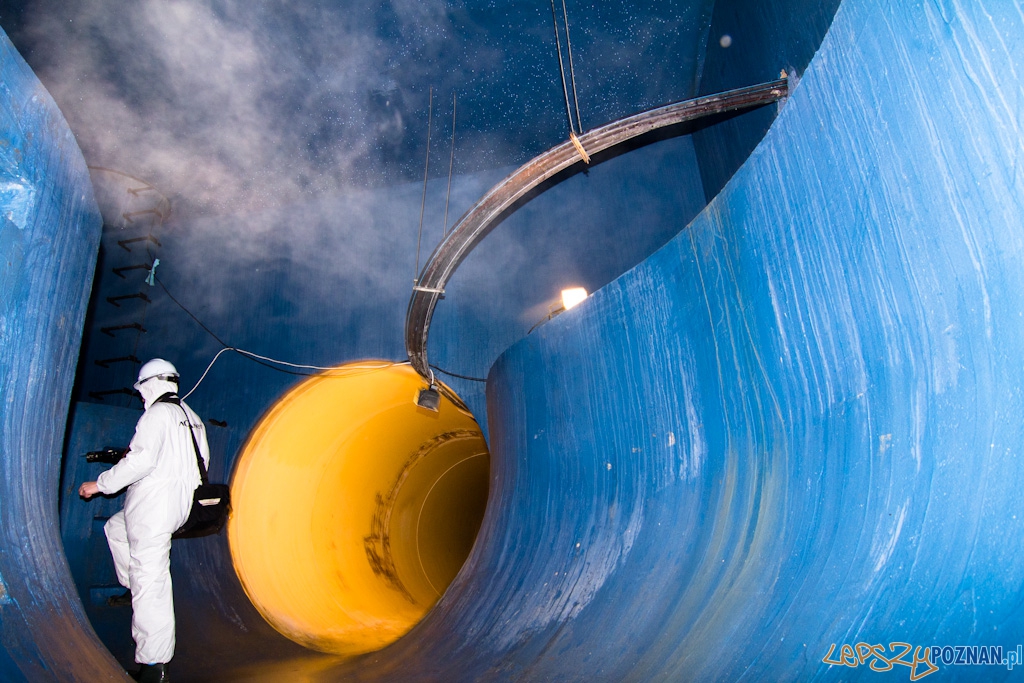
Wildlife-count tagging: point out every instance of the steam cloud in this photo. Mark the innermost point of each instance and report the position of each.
(234, 106)
(290, 138)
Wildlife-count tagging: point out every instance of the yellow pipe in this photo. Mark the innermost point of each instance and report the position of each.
(353, 509)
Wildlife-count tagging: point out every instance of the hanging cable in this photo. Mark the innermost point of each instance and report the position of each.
(265, 361)
(346, 371)
(454, 374)
(189, 313)
(423, 202)
(561, 68)
(572, 70)
(572, 75)
(451, 166)
(212, 334)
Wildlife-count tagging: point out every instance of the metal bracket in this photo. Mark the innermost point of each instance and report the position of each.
(114, 299)
(109, 331)
(105, 363)
(148, 238)
(120, 271)
(100, 394)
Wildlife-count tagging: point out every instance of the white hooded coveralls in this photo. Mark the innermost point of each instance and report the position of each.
(160, 472)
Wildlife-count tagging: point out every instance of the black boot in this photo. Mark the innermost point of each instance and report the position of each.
(152, 673)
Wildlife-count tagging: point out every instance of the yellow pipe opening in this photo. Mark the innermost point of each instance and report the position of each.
(354, 509)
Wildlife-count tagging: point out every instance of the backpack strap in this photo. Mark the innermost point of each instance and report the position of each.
(172, 398)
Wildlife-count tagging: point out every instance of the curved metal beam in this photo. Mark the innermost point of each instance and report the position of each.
(478, 221)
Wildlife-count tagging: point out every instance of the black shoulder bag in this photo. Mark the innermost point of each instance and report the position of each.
(211, 503)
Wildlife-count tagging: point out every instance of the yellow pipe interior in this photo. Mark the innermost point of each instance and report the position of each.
(353, 508)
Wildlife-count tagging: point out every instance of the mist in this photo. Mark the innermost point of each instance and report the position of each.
(234, 107)
(291, 141)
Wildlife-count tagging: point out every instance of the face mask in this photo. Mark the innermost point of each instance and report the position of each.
(154, 388)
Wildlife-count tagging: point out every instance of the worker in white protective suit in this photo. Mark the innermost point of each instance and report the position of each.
(161, 473)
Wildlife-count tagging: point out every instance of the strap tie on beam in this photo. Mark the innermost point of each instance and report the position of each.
(579, 147)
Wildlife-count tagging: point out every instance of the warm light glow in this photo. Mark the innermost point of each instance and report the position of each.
(573, 296)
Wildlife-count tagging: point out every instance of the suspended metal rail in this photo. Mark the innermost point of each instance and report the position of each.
(481, 218)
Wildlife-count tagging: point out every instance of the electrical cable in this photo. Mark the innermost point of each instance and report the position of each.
(341, 372)
(207, 370)
(459, 404)
(265, 361)
(454, 374)
(182, 307)
(219, 340)
(419, 517)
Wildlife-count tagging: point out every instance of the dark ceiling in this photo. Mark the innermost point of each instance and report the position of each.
(231, 106)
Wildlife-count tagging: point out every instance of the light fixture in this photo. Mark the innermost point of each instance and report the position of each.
(429, 398)
(570, 297)
(573, 296)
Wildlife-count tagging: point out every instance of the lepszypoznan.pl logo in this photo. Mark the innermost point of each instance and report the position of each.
(922, 660)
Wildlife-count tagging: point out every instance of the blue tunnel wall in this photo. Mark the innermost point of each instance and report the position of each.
(49, 232)
(798, 424)
(327, 282)
(795, 425)
(752, 42)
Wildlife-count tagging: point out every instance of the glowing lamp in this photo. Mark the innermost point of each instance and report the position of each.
(573, 296)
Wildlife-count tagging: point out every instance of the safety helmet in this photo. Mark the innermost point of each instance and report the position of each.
(157, 367)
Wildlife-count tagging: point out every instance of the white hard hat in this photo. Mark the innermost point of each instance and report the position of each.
(158, 367)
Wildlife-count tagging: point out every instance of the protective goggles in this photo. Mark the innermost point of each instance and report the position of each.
(166, 378)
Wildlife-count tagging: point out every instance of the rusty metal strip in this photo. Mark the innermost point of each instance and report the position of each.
(478, 221)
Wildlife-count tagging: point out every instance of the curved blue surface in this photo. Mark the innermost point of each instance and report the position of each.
(796, 426)
(764, 38)
(49, 234)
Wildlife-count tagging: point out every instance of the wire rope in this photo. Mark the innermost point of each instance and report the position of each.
(451, 167)
(561, 67)
(572, 69)
(423, 202)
